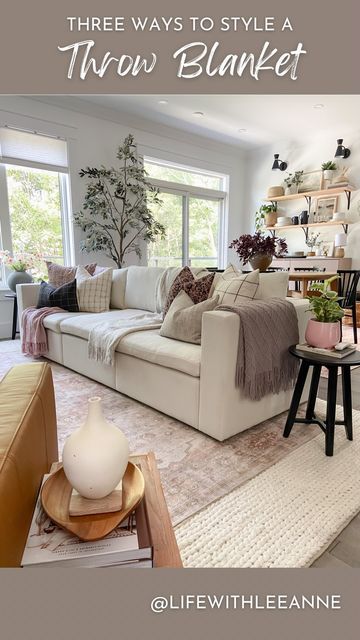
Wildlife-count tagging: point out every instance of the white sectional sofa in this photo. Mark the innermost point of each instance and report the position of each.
(192, 383)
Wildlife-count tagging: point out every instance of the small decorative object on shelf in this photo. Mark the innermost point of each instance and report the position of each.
(266, 214)
(323, 331)
(96, 455)
(328, 169)
(18, 264)
(339, 243)
(258, 249)
(275, 192)
(293, 181)
(342, 179)
(311, 242)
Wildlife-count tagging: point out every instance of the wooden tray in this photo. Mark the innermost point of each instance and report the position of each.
(55, 498)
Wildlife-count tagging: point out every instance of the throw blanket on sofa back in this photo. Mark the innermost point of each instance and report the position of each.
(267, 329)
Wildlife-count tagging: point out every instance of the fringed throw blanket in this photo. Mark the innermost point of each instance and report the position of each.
(104, 337)
(33, 333)
(267, 329)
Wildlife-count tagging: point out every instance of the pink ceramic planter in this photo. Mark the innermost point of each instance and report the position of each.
(324, 335)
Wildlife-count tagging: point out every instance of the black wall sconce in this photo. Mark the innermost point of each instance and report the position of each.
(279, 164)
(341, 151)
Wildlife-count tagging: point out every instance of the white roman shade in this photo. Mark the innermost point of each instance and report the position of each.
(33, 150)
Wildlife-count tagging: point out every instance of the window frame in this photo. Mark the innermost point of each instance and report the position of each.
(5, 218)
(202, 193)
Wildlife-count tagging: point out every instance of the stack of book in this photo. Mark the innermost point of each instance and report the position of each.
(333, 353)
(129, 545)
(338, 185)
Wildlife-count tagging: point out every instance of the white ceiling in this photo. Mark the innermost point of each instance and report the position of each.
(266, 118)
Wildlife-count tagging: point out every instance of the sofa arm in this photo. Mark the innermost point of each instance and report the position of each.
(27, 295)
(223, 408)
(302, 309)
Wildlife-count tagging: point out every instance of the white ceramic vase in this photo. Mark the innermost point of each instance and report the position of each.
(96, 455)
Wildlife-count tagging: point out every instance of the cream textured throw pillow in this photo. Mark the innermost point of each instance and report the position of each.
(233, 289)
(93, 292)
(183, 320)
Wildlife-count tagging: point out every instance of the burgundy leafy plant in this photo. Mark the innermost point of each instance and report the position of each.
(248, 246)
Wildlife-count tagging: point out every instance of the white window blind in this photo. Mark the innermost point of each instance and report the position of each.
(33, 150)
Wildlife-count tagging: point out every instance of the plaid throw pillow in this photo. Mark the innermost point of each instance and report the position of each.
(64, 297)
(93, 291)
(197, 288)
(58, 274)
(233, 290)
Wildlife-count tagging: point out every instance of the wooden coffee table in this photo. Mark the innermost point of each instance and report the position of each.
(165, 550)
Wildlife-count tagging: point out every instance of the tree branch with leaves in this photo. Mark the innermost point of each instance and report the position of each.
(116, 215)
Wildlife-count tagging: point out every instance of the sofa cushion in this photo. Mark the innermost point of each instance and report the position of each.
(273, 285)
(118, 286)
(234, 291)
(141, 284)
(150, 346)
(93, 292)
(197, 288)
(53, 322)
(58, 274)
(184, 318)
(80, 324)
(64, 296)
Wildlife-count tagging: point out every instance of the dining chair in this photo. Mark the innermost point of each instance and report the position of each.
(347, 290)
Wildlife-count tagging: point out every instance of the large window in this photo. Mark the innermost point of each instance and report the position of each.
(34, 202)
(193, 214)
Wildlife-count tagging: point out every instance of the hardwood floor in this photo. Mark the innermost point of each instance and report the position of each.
(345, 549)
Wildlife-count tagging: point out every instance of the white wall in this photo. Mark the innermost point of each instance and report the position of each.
(309, 157)
(94, 141)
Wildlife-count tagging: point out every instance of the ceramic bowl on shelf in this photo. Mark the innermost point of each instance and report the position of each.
(275, 192)
(298, 254)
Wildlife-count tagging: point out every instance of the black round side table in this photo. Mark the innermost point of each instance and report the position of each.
(316, 361)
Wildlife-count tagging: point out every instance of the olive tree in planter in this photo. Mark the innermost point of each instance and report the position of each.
(116, 215)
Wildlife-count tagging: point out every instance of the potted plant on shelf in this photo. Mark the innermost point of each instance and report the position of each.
(18, 266)
(292, 182)
(311, 242)
(266, 214)
(258, 249)
(328, 168)
(323, 331)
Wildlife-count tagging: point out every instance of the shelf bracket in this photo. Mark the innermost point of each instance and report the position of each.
(306, 232)
(308, 200)
(345, 226)
(348, 197)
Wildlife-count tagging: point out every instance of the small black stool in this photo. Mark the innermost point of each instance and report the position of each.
(328, 426)
(15, 314)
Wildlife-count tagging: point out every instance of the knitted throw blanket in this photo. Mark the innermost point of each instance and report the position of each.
(267, 329)
(33, 333)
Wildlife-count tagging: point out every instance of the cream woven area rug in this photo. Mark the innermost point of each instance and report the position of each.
(284, 517)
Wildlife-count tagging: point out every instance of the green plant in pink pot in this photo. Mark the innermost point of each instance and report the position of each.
(323, 331)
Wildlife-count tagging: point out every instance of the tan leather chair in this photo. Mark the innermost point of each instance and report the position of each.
(28, 446)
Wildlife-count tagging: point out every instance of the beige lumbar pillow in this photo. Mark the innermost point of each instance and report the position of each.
(183, 320)
(93, 292)
(234, 288)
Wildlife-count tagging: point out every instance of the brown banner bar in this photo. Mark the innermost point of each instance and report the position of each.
(190, 47)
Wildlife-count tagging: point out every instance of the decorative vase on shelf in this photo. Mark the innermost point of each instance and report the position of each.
(261, 261)
(328, 174)
(96, 455)
(18, 277)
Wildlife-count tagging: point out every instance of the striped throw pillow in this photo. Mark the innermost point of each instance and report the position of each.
(93, 292)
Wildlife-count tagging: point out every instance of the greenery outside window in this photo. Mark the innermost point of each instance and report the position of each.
(193, 214)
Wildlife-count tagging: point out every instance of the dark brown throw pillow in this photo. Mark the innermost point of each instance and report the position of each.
(64, 297)
(198, 289)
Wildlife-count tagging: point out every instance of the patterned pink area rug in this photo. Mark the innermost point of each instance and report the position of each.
(195, 469)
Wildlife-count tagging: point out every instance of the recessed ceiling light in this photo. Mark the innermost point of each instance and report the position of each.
(242, 130)
(318, 106)
(198, 114)
(163, 102)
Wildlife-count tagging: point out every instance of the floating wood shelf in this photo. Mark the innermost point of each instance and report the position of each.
(305, 227)
(315, 194)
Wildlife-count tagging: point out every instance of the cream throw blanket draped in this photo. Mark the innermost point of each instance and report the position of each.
(104, 337)
(267, 329)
